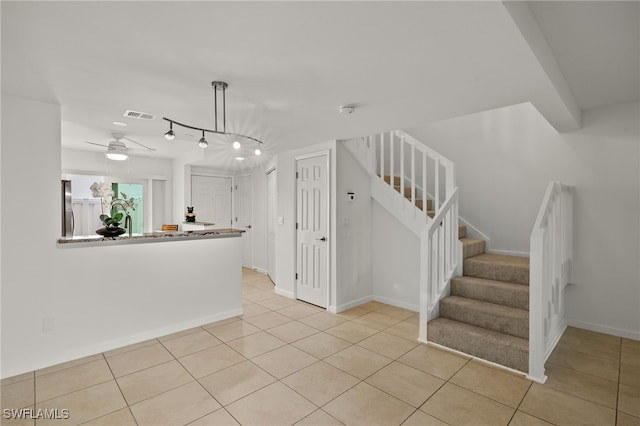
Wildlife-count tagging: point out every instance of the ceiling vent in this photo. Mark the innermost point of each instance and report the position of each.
(137, 114)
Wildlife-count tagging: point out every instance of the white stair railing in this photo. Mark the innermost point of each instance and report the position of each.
(431, 177)
(550, 271)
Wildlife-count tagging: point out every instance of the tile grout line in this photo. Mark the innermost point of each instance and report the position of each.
(121, 393)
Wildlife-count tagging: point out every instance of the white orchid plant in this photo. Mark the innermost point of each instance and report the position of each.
(116, 207)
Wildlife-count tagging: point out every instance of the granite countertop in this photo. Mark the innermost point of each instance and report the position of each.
(150, 237)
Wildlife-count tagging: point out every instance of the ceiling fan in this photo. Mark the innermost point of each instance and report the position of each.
(117, 150)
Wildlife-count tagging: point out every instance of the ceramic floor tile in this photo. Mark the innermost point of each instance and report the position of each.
(372, 306)
(69, 364)
(585, 386)
(278, 303)
(376, 320)
(190, 343)
(388, 345)
(319, 418)
(292, 331)
(358, 362)
(121, 417)
(395, 312)
(560, 408)
(221, 322)
(251, 310)
(630, 354)
(268, 320)
(365, 405)
(630, 375)
(352, 313)
(233, 330)
(236, 382)
(351, 332)
(178, 406)
(203, 363)
(580, 361)
(321, 345)
(420, 418)
(260, 296)
(86, 404)
(455, 405)
(264, 407)
(605, 339)
(320, 382)
(499, 385)
(405, 329)
(524, 419)
(322, 320)
(624, 419)
(21, 417)
(283, 361)
(219, 417)
(71, 379)
(138, 359)
(18, 378)
(256, 344)
(405, 383)
(629, 400)
(434, 361)
(630, 343)
(152, 381)
(592, 344)
(18, 394)
(179, 334)
(129, 348)
(300, 310)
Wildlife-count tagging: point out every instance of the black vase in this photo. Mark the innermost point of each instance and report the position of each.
(110, 232)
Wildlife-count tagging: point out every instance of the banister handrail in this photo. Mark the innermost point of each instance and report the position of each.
(551, 265)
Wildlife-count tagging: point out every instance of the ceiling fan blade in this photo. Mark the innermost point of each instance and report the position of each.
(97, 144)
(138, 143)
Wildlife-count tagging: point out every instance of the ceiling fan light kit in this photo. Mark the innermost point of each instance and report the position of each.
(202, 143)
(117, 150)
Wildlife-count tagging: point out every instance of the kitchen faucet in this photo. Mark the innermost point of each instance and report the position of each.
(128, 223)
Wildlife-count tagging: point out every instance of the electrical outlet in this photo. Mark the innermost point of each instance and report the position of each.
(47, 325)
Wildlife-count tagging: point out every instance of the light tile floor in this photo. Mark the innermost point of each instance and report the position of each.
(286, 362)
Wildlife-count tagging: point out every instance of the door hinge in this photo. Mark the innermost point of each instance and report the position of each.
(296, 275)
(297, 175)
(296, 225)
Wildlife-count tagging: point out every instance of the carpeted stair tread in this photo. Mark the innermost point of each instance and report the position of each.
(472, 246)
(490, 345)
(498, 267)
(503, 319)
(498, 292)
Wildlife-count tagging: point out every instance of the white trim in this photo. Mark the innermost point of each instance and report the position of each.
(397, 303)
(129, 340)
(285, 293)
(262, 271)
(620, 332)
(353, 304)
(509, 252)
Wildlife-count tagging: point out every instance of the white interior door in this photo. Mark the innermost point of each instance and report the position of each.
(271, 224)
(312, 229)
(244, 217)
(211, 199)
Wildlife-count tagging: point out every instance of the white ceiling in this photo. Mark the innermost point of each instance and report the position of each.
(290, 65)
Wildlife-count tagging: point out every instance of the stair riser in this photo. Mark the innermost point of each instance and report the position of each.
(514, 325)
(513, 274)
(506, 294)
(473, 249)
(462, 231)
(474, 343)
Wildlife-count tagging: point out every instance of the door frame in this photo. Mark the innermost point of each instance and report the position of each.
(234, 200)
(272, 274)
(327, 154)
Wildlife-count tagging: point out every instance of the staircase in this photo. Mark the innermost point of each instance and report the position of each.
(475, 302)
(487, 313)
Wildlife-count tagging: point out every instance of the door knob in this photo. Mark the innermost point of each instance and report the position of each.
(321, 239)
(248, 226)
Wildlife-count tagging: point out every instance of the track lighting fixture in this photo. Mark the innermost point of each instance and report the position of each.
(170, 135)
(202, 143)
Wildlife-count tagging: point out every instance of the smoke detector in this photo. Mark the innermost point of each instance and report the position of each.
(347, 109)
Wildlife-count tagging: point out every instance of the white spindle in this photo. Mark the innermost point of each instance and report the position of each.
(413, 174)
(436, 200)
(401, 165)
(392, 180)
(382, 156)
(424, 185)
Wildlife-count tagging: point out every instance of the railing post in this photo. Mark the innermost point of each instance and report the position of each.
(536, 308)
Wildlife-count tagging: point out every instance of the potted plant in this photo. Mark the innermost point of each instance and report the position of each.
(117, 208)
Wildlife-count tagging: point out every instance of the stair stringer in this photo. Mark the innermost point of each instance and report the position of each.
(407, 214)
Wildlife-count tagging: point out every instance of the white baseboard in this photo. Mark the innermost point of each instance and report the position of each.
(282, 292)
(350, 305)
(509, 252)
(262, 271)
(397, 303)
(125, 341)
(629, 334)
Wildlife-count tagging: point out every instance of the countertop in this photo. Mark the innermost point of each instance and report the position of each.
(151, 237)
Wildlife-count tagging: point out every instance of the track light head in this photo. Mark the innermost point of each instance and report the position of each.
(170, 135)
(202, 143)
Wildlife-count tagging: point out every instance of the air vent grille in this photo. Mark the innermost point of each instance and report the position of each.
(137, 114)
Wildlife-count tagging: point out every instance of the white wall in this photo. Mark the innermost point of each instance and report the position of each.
(97, 297)
(506, 157)
(354, 231)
